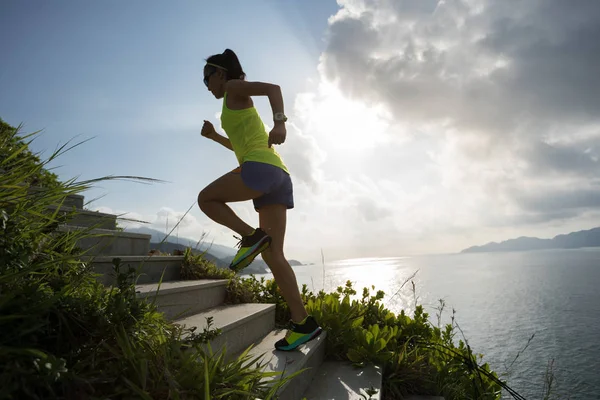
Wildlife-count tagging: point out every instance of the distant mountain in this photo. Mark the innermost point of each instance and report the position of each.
(217, 250)
(257, 267)
(168, 247)
(259, 262)
(574, 240)
(219, 254)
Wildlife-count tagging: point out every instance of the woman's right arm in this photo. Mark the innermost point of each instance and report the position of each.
(208, 131)
(222, 140)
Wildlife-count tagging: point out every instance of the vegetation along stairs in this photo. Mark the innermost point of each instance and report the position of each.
(191, 302)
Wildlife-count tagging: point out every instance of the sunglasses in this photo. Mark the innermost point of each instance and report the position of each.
(208, 72)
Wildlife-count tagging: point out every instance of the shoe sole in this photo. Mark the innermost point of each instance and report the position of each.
(299, 343)
(244, 262)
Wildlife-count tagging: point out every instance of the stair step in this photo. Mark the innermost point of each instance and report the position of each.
(340, 380)
(240, 324)
(111, 243)
(71, 200)
(309, 355)
(151, 268)
(184, 298)
(87, 218)
(74, 200)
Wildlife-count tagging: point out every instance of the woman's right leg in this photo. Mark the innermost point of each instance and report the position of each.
(212, 200)
(228, 188)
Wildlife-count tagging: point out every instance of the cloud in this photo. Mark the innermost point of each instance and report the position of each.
(164, 220)
(437, 125)
(561, 199)
(487, 69)
(303, 157)
(579, 160)
(500, 88)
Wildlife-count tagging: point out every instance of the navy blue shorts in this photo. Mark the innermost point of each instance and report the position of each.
(275, 183)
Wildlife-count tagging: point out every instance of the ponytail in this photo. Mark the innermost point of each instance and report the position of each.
(234, 67)
(229, 61)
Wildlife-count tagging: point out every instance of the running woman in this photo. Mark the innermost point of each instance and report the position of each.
(261, 177)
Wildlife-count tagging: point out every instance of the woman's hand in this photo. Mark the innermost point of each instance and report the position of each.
(277, 134)
(208, 130)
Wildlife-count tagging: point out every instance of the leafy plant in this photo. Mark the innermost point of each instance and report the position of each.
(416, 356)
(252, 290)
(198, 267)
(63, 335)
(14, 151)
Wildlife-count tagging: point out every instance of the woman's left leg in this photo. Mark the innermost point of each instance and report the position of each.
(304, 327)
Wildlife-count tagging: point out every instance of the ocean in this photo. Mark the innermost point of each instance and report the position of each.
(500, 300)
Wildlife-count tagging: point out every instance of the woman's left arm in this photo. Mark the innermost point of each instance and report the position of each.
(239, 87)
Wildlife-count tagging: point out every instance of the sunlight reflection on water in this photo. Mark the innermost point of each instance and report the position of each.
(501, 300)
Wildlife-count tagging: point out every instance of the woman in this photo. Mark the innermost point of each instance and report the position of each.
(261, 177)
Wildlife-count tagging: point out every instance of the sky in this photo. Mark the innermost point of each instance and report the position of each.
(415, 126)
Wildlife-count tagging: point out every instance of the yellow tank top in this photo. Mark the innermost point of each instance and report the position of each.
(248, 136)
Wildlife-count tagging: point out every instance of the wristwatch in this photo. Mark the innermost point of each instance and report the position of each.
(279, 117)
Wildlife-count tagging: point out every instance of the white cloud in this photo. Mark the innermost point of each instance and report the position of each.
(437, 125)
(164, 220)
(303, 157)
(444, 118)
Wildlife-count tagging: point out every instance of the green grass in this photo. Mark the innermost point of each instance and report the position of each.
(63, 335)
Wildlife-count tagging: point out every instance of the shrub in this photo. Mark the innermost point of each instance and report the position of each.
(416, 356)
(63, 335)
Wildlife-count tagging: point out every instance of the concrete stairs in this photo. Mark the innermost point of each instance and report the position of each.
(190, 303)
(85, 218)
(336, 380)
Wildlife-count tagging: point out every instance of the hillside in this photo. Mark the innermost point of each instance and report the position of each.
(219, 254)
(258, 266)
(216, 250)
(573, 240)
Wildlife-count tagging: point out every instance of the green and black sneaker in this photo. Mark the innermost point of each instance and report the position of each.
(299, 334)
(249, 247)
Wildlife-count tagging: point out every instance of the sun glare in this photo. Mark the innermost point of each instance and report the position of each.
(345, 125)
